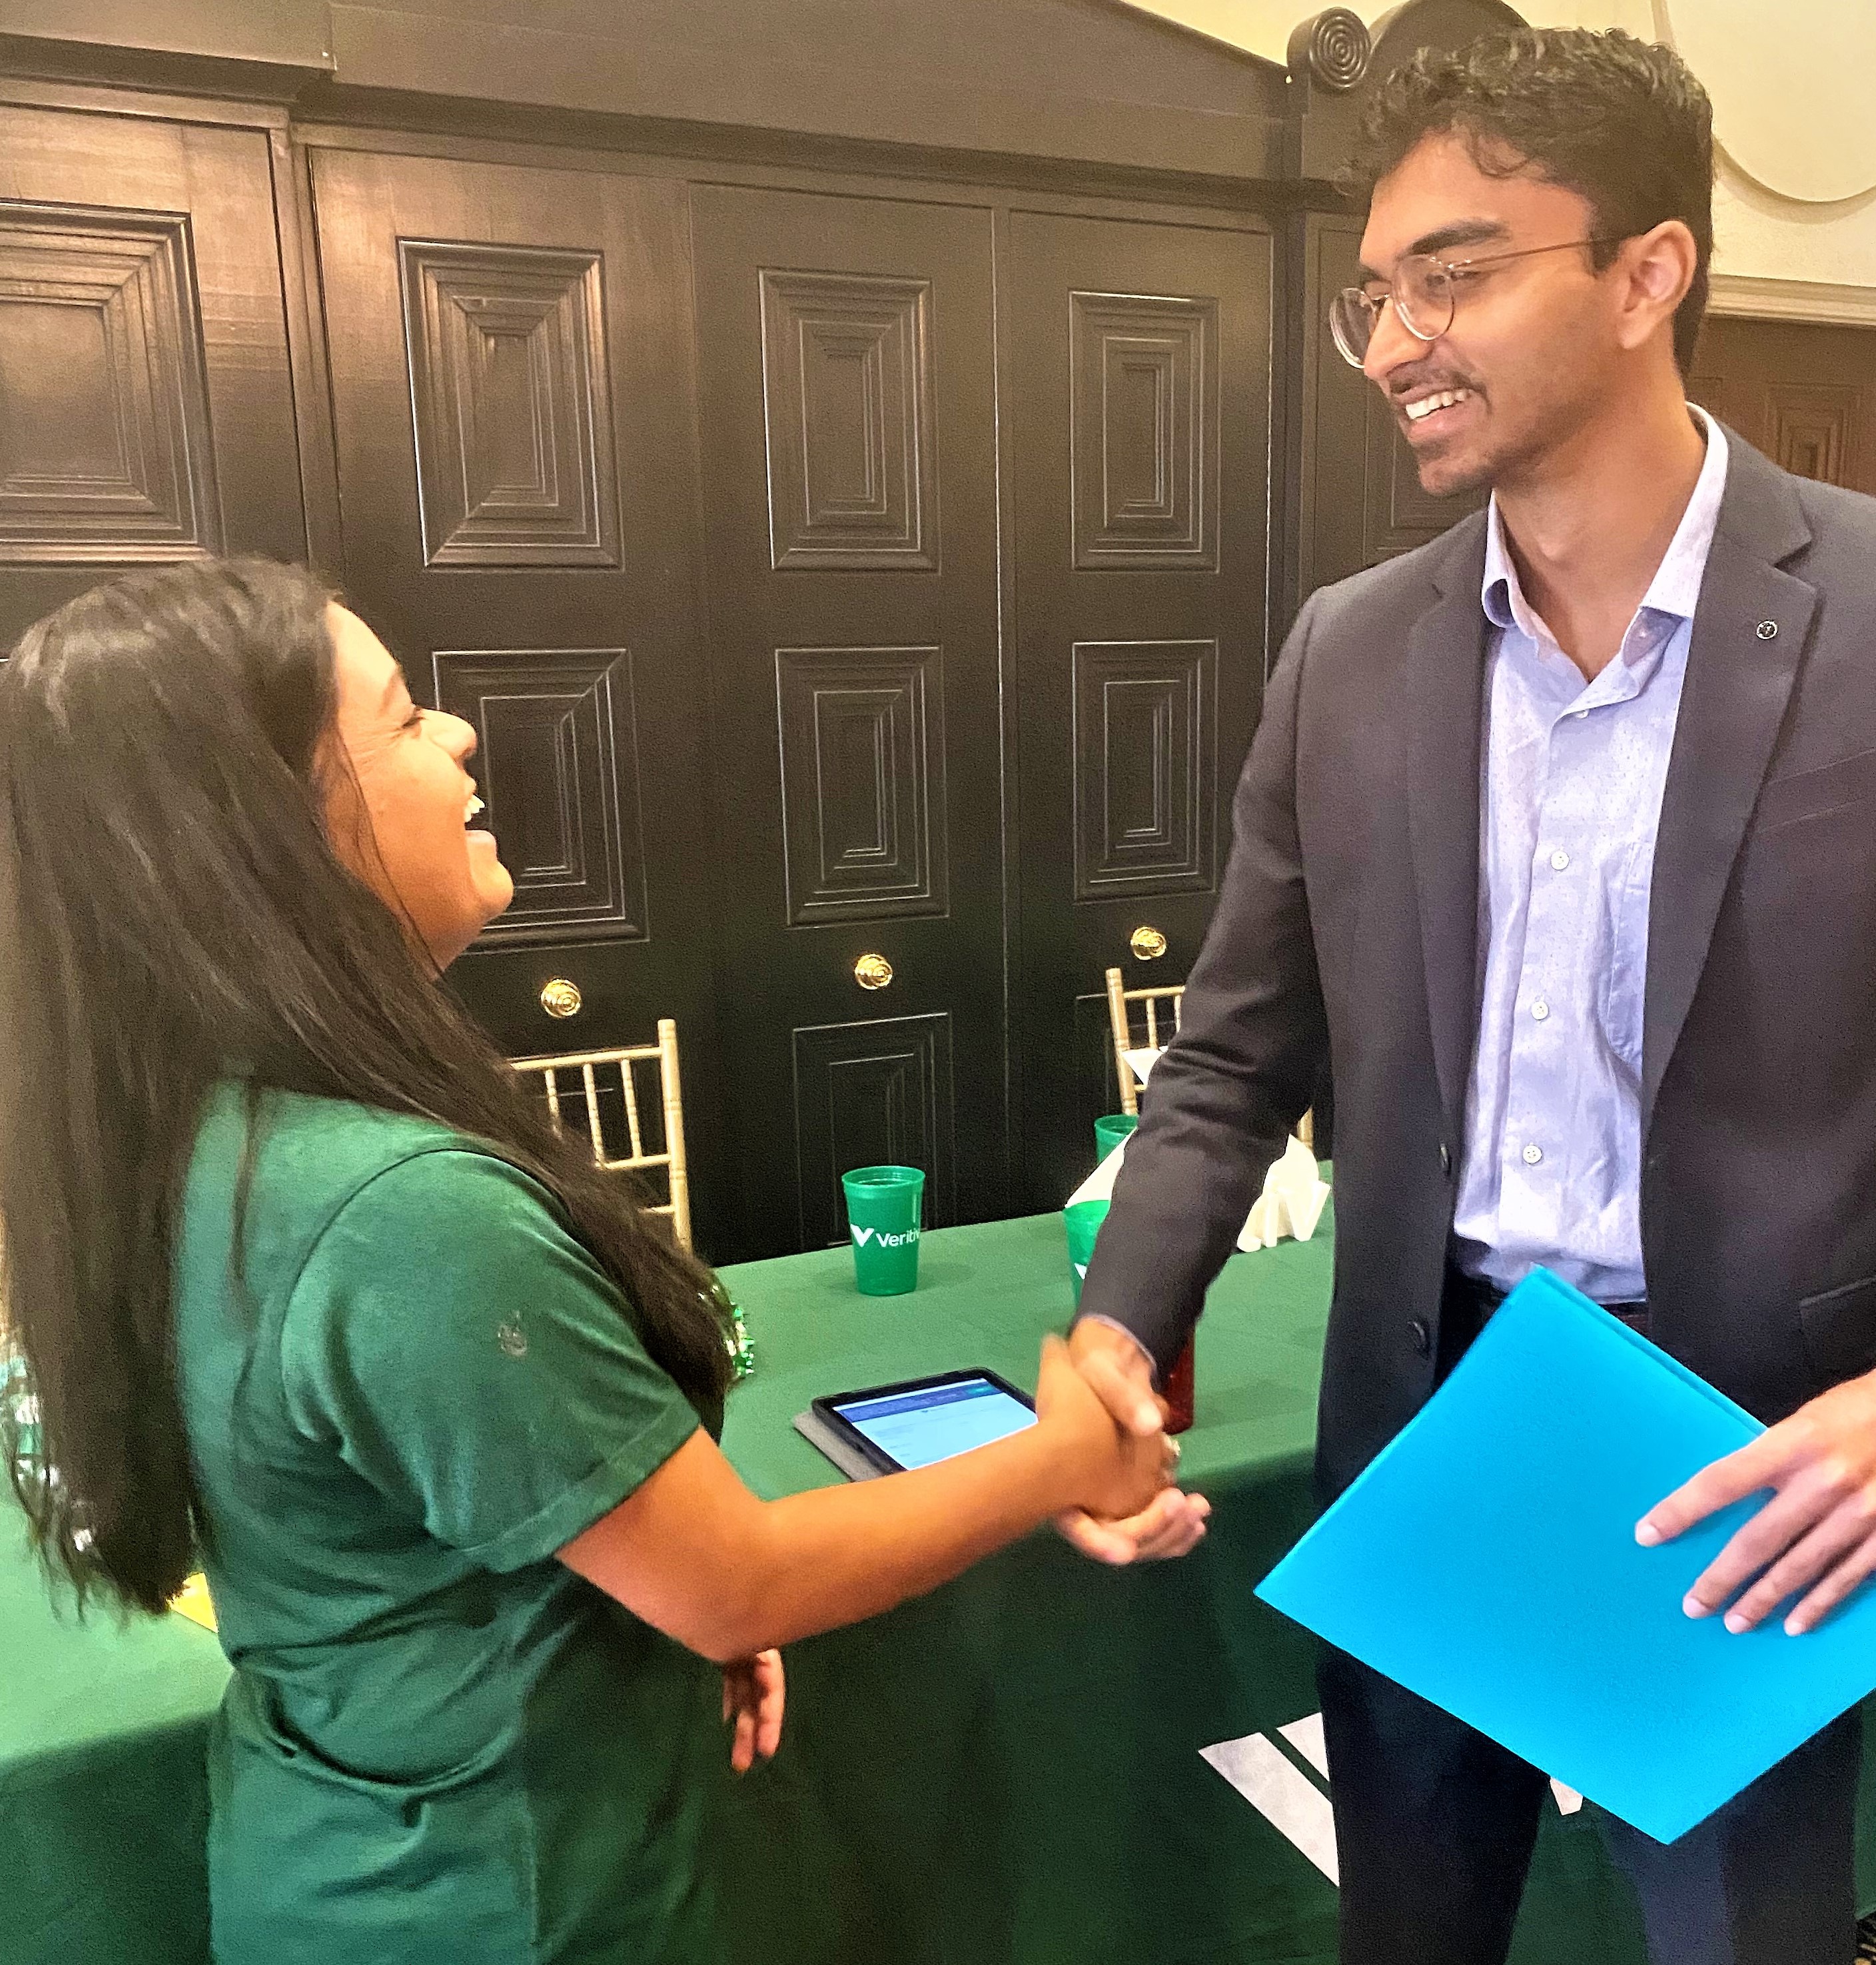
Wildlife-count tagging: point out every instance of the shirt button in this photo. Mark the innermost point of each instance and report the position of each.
(1532, 1155)
(1540, 1010)
(1560, 860)
(1420, 1335)
(1579, 714)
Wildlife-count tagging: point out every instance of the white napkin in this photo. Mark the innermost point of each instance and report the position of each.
(1100, 1185)
(1291, 1204)
(1142, 1061)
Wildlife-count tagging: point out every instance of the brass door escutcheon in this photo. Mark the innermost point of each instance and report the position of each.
(1147, 944)
(561, 998)
(873, 972)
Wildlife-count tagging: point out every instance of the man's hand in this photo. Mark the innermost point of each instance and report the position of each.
(1116, 1368)
(1820, 1522)
(754, 1693)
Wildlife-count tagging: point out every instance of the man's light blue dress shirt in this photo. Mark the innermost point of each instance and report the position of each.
(1572, 776)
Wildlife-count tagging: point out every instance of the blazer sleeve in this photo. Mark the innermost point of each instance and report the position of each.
(1240, 1073)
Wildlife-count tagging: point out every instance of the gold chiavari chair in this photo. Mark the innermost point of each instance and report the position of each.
(1119, 1019)
(589, 1065)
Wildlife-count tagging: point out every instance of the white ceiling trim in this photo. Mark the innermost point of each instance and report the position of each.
(1816, 300)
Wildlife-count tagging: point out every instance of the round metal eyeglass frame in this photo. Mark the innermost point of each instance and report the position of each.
(1424, 296)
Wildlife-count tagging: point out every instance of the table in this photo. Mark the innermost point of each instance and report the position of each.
(1009, 1770)
(1005, 1772)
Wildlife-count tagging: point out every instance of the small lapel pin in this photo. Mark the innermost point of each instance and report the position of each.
(1768, 631)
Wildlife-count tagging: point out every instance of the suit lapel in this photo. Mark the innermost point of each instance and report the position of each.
(1733, 706)
(1445, 669)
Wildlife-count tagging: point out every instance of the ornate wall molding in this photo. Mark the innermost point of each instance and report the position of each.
(1815, 300)
(1330, 50)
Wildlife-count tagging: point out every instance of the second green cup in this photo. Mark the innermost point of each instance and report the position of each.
(1110, 1129)
(1083, 1222)
(883, 1208)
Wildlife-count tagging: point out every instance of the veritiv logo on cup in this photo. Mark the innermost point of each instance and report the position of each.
(863, 1235)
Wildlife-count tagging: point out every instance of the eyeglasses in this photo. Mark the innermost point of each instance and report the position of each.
(1425, 294)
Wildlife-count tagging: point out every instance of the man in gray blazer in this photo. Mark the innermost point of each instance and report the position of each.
(1559, 837)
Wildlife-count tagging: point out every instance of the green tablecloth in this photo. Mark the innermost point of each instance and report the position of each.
(103, 1803)
(1007, 1771)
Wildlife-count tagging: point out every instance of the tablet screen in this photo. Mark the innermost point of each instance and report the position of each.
(936, 1421)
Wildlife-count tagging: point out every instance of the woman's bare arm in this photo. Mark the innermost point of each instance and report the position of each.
(694, 1553)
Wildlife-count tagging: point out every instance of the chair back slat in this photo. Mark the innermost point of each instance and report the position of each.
(672, 1084)
(590, 1084)
(631, 1111)
(1119, 1017)
(662, 1054)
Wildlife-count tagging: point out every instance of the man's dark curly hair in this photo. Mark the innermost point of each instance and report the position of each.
(1620, 122)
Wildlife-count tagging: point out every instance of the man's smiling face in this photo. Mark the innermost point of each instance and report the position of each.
(1531, 353)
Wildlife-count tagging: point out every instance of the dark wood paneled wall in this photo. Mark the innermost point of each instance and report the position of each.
(1805, 395)
(860, 559)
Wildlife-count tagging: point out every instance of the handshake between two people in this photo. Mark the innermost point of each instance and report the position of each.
(1098, 1458)
(1097, 1388)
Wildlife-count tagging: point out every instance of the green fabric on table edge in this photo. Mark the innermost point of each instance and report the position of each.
(104, 1796)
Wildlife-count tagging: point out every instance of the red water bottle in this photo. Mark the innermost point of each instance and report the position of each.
(1177, 1389)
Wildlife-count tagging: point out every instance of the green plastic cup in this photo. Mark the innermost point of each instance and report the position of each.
(1110, 1129)
(883, 1208)
(1083, 1222)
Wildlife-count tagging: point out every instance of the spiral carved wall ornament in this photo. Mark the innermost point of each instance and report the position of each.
(1336, 50)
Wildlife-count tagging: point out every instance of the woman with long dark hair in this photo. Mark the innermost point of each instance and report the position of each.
(310, 1288)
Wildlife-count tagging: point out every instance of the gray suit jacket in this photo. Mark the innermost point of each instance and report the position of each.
(1348, 922)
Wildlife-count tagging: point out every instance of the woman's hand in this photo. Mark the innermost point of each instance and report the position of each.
(1173, 1523)
(754, 1693)
(1117, 1473)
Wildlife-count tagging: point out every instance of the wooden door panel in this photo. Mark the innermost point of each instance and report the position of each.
(863, 758)
(558, 759)
(1139, 363)
(1814, 430)
(848, 391)
(107, 399)
(1145, 768)
(145, 408)
(512, 401)
(511, 410)
(880, 1092)
(853, 458)
(1143, 429)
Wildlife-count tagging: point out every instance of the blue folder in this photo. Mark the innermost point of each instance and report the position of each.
(1487, 1559)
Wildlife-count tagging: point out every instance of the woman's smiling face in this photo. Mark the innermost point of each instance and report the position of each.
(399, 800)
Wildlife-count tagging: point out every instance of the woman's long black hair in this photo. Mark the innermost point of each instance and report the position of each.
(171, 915)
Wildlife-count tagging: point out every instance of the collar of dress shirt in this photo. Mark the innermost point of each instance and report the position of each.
(1676, 587)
